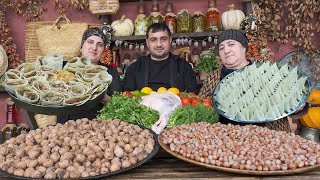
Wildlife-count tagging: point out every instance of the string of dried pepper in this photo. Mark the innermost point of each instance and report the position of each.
(106, 57)
(6, 41)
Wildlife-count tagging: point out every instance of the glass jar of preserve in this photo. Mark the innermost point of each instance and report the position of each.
(170, 18)
(212, 20)
(184, 21)
(9, 131)
(141, 22)
(155, 16)
(23, 129)
(198, 22)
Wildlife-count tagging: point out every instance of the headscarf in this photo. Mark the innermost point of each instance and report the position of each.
(233, 34)
(93, 32)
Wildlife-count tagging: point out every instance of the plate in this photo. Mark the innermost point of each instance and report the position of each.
(154, 152)
(57, 110)
(298, 105)
(231, 170)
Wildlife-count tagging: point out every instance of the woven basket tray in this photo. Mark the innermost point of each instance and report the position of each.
(32, 49)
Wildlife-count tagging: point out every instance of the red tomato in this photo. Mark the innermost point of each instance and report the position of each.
(192, 94)
(134, 95)
(127, 93)
(206, 103)
(194, 101)
(207, 100)
(185, 101)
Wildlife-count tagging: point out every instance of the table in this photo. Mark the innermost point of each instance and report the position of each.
(165, 166)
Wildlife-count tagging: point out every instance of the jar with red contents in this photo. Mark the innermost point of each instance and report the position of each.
(212, 19)
(170, 18)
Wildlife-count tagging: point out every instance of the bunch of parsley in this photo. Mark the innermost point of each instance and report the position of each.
(128, 109)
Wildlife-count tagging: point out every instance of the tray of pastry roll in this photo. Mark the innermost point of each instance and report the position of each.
(261, 92)
(41, 88)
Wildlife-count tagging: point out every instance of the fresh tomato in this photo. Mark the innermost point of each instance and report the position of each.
(192, 94)
(207, 103)
(134, 95)
(185, 101)
(127, 93)
(207, 100)
(194, 101)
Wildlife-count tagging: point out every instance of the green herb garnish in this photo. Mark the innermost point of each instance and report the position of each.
(192, 114)
(128, 109)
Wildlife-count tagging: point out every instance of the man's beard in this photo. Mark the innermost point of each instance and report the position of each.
(161, 55)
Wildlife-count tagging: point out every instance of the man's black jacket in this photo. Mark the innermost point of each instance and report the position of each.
(181, 74)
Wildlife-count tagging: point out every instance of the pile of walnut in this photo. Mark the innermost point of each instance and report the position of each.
(242, 147)
(76, 149)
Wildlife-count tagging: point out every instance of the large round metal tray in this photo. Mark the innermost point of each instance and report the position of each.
(154, 152)
(57, 110)
(304, 65)
(299, 104)
(231, 170)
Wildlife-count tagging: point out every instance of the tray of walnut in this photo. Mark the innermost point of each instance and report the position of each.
(80, 149)
(246, 149)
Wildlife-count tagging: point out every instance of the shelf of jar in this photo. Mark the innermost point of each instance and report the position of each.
(194, 35)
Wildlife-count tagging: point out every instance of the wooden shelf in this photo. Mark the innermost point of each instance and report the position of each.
(194, 35)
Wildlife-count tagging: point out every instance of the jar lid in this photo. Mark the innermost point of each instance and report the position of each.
(213, 9)
(155, 14)
(197, 13)
(141, 16)
(182, 11)
(170, 14)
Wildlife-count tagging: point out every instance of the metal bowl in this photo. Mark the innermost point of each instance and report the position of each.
(299, 104)
(310, 133)
(57, 110)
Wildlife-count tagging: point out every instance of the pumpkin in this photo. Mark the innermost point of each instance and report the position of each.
(123, 27)
(314, 98)
(232, 18)
(312, 118)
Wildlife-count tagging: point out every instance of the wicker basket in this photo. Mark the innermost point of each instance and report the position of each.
(103, 7)
(32, 48)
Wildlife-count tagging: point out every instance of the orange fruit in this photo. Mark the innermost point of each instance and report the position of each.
(162, 89)
(174, 90)
(146, 90)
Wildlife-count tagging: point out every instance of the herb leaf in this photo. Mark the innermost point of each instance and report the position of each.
(128, 109)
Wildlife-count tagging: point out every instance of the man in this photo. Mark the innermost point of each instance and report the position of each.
(160, 68)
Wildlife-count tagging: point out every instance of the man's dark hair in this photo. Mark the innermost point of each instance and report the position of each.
(157, 27)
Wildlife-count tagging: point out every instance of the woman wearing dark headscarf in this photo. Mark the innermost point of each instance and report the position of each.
(232, 48)
(92, 46)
